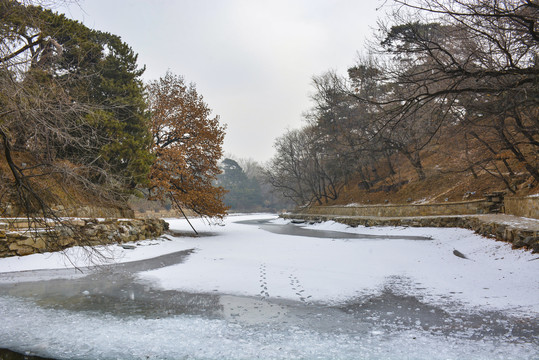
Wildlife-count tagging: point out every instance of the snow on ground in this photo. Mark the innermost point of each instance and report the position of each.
(243, 260)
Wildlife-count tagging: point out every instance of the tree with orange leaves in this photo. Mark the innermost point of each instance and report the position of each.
(187, 147)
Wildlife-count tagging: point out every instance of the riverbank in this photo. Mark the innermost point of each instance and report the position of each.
(520, 232)
(20, 236)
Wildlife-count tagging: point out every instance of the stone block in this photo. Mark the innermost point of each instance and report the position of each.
(28, 241)
(66, 231)
(518, 244)
(66, 241)
(14, 236)
(21, 250)
(530, 240)
(90, 231)
(508, 235)
(77, 222)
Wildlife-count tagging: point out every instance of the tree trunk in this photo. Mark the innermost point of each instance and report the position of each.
(416, 163)
(533, 170)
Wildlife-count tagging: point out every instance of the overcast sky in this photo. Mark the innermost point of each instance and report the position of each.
(252, 60)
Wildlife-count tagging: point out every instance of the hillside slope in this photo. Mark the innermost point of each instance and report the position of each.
(448, 178)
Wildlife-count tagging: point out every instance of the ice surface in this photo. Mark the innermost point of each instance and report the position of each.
(68, 335)
(378, 295)
(244, 260)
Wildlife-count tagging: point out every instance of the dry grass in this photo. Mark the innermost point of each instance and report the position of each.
(445, 180)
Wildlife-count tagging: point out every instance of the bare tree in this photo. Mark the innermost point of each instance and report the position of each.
(302, 170)
(472, 62)
(343, 128)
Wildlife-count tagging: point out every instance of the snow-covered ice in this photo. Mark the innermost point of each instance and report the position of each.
(331, 270)
(69, 335)
(276, 296)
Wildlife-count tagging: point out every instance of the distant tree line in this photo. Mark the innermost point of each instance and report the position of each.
(246, 187)
(75, 115)
(464, 66)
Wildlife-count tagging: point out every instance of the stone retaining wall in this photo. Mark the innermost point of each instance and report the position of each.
(522, 206)
(519, 237)
(160, 214)
(8, 210)
(18, 241)
(449, 208)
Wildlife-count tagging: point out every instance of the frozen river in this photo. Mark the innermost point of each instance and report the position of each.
(260, 287)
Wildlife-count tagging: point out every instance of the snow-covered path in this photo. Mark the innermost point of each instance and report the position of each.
(245, 292)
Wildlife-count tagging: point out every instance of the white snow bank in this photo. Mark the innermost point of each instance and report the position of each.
(245, 260)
